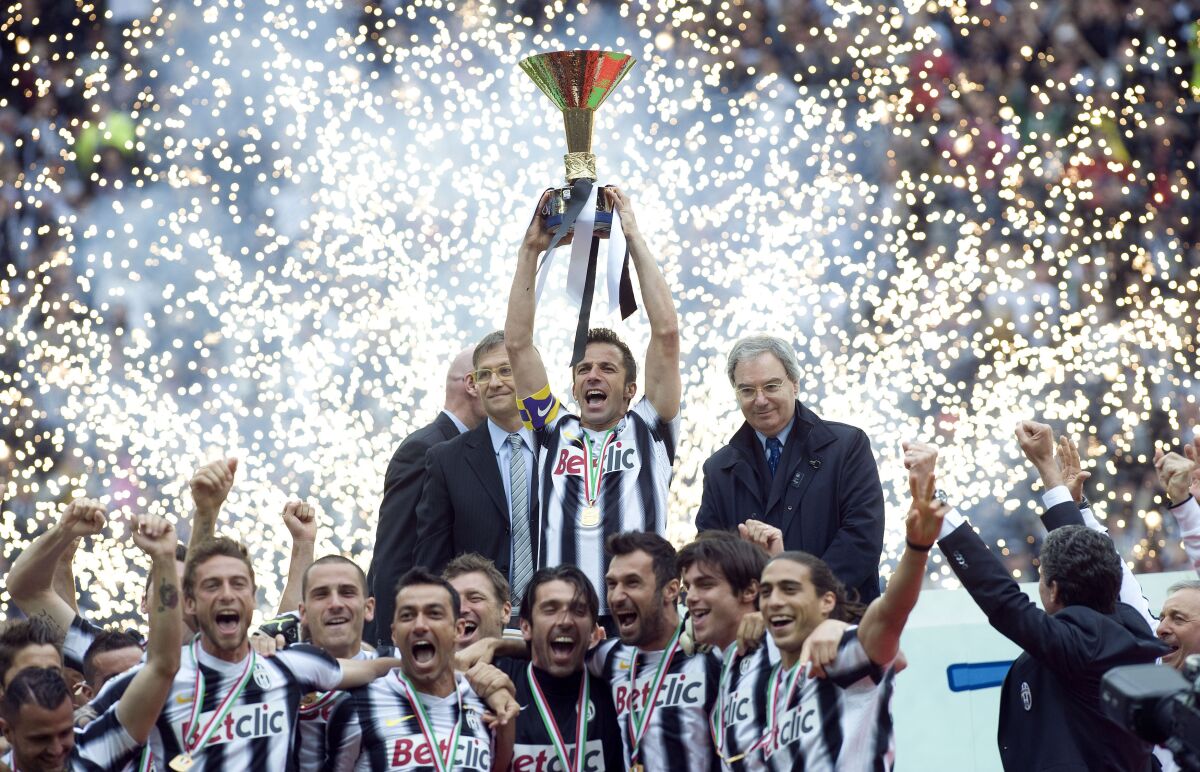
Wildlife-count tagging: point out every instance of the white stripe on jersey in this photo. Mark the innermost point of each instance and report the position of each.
(312, 746)
(376, 729)
(259, 731)
(678, 738)
(80, 636)
(633, 488)
(743, 701)
(104, 745)
(842, 722)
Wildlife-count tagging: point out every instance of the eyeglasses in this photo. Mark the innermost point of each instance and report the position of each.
(504, 373)
(748, 393)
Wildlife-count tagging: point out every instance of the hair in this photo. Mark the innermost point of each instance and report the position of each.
(337, 560)
(605, 335)
(20, 636)
(220, 546)
(489, 342)
(573, 576)
(42, 686)
(1084, 566)
(661, 553)
(419, 576)
(739, 561)
(104, 642)
(847, 607)
(473, 562)
(1186, 584)
(755, 345)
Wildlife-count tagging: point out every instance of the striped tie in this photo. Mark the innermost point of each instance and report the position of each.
(774, 451)
(522, 555)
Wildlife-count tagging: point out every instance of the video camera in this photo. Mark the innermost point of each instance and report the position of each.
(1158, 704)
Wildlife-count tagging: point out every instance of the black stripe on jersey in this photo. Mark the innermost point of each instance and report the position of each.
(670, 722)
(645, 481)
(373, 746)
(883, 720)
(216, 689)
(868, 669)
(93, 743)
(335, 730)
(830, 707)
(662, 430)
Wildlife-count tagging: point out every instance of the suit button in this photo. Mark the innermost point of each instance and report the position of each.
(789, 509)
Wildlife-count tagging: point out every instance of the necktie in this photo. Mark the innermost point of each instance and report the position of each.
(522, 554)
(774, 451)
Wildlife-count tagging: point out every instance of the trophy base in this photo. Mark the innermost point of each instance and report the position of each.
(554, 209)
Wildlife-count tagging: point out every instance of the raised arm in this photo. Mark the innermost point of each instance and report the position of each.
(881, 626)
(529, 373)
(142, 701)
(1179, 477)
(360, 672)
(64, 576)
(31, 580)
(663, 383)
(301, 520)
(210, 486)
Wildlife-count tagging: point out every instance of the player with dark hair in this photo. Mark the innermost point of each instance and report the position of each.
(483, 594)
(28, 643)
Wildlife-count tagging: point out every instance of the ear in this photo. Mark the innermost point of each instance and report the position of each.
(630, 390)
(368, 610)
(526, 631)
(671, 592)
(395, 635)
(749, 596)
(472, 387)
(507, 613)
(828, 604)
(1052, 587)
(189, 605)
(460, 627)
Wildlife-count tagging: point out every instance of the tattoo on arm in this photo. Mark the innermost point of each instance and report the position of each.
(168, 595)
(50, 621)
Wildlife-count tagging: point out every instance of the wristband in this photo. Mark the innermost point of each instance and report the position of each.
(918, 547)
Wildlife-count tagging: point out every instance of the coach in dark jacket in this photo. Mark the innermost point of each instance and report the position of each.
(396, 534)
(1050, 715)
(817, 481)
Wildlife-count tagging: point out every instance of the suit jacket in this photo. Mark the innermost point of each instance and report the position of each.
(825, 496)
(463, 508)
(395, 537)
(1050, 715)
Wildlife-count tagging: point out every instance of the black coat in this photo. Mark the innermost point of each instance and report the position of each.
(1050, 715)
(825, 496)
(463, 508)
(395, 537)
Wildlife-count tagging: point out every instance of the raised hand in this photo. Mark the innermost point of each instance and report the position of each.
(300, 517)
(1073, 475)
(623, 207)
(1192, 452)
(1175, 473)
(925, 514)
(211, 484)
(538, 235)
(821, 646)
(83, 517)
(154, 535)
(1037, 443)
(766, 536)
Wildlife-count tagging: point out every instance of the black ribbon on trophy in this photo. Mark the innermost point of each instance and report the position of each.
(578, 82)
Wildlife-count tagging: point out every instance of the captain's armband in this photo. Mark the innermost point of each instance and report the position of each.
(538, 409)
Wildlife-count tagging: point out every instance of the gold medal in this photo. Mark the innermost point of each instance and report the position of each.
(636, 768)
(182, 762)
(589, 516)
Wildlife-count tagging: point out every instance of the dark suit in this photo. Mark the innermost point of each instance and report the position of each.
(395, 538)
(463, 508)
(1050, 715)
(825, 496)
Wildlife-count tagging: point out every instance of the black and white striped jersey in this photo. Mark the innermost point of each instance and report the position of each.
(312, 745)
(259, 730)
(677, 738)
(104, 746)
(842, 722)
(740, 717)
(79, 638)
(377, 728)
(634, 474)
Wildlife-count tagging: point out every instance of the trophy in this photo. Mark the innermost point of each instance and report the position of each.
(577, 82)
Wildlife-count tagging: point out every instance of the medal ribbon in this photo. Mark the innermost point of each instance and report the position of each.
(440, 763)
(197, 740)
(773, 685)
(591, 490)
(718, 735)
(638, 726)
(581, 722)
(322, 699)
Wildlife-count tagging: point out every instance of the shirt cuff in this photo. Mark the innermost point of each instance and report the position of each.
(951, 523)
(1187, 514)
(1055, 496)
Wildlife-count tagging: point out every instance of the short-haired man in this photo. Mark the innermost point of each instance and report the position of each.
(37, 710)
(608, 469)
(815, 480)
(480, 491)
(1050, 702)
(111, 653)
(249, 714)
(663, 694)
(402, 485)
(483, 595)
(28, 643)
(558, 619)
(422, 714)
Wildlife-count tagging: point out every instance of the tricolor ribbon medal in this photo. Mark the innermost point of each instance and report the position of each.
(441, 762)
(196, 738)
(581, 722)
(779, 675)
(714, 717)
(639, 721)
(593, 473)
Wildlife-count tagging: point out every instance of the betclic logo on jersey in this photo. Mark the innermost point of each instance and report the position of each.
(620, 457)
(542, 758)
(245, 722)
(473, 753)
(676, 691)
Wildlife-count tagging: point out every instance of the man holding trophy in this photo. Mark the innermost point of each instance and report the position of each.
(607, 469)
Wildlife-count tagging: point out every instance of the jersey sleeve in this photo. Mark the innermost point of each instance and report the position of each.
(666, 431)
(852, 663)
(539, 411)
(598, 657)
(80, 636)
(104, 744)
(313, 669)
